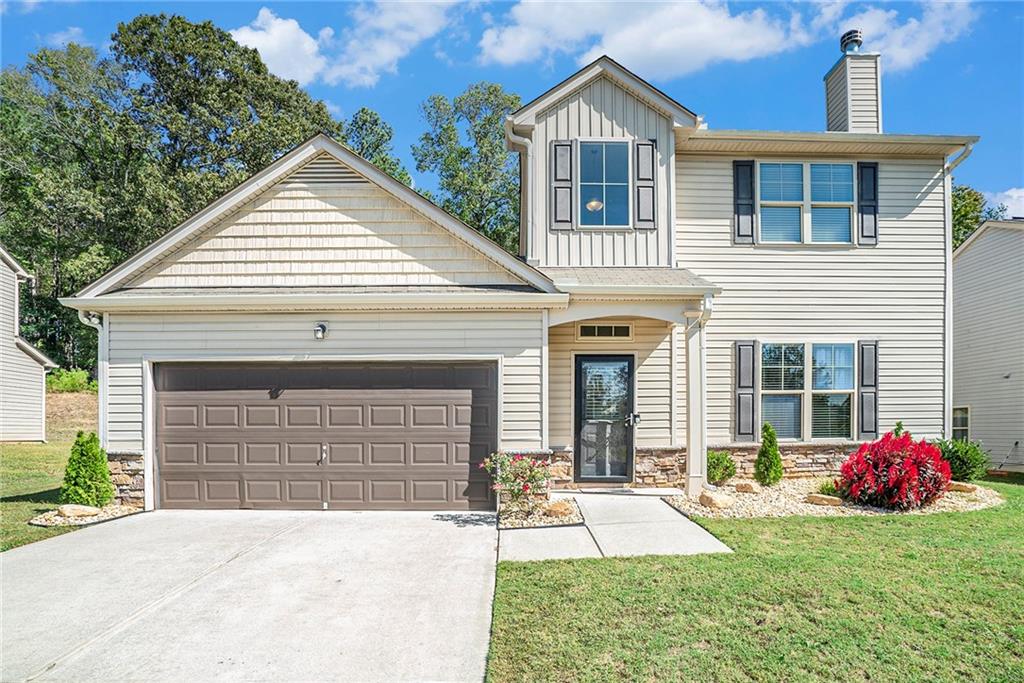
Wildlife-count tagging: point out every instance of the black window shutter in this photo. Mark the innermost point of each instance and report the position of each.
(743, 202)
(746, 390)
(867, 390)
(867, 202)
(561, 185)
(644, 168)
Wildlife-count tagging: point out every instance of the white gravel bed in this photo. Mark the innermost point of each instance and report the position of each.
(515, 517)
(52, 518)
(786, 499)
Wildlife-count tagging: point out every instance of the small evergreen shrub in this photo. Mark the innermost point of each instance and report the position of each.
(720, 467)
(768, 466)
(967, 459)
(828, 488)
(60, 380)
(86, 477)
(894, 472)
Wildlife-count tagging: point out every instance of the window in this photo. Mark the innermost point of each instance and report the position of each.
(610, 331)
(604, 184)
(794, 195)
(831, 391)
(782, 384)
(962, 423)
(782, 196)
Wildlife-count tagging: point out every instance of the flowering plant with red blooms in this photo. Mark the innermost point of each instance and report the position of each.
(517, 475)
(894, 472)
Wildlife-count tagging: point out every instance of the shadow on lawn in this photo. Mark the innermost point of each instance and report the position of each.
(49, 497)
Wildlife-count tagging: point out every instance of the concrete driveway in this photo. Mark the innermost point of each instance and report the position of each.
(243, 595)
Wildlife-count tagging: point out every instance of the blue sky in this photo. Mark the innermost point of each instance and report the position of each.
(947, 67)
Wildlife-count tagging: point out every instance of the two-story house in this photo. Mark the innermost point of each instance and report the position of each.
(324, 337)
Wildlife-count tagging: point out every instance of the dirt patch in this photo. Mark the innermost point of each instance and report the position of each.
(71, 412)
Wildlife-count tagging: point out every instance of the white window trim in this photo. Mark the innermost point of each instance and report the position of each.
(807, 393)
(603, 340)
(953, 429)
(806, 205)
(578, 185)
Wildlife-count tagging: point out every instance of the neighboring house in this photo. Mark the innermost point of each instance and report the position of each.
(988, 341)
(323, 336)
(22, 366)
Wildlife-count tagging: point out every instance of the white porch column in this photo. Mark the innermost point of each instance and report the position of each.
(696, 408)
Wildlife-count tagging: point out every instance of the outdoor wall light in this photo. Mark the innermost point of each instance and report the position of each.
(320, 331)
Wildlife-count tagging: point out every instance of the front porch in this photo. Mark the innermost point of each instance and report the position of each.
(623, 408)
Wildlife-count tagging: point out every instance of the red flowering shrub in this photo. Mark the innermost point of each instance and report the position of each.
(894, 472)
(516, 475)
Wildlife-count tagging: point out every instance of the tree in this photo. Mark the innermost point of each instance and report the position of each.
(970, 210)
(87, 476)
(370, 137)
(464, 146)
(99, 157)
(768, 465)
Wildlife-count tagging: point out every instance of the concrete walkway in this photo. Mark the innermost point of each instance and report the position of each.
(617, 525)
(253, 596)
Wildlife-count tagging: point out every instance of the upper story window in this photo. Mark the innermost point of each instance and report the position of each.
(806, 202)
(604, 184)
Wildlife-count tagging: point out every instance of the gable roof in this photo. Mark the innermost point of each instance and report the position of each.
(1013, 224)
(248, 190)
(607, 67)
(6, 257)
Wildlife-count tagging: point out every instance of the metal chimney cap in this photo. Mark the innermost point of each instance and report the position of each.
(851, 41)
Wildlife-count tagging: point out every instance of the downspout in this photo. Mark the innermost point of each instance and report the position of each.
(527, 144)
(100, 323)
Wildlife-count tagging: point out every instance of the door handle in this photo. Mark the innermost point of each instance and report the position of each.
(323, 454)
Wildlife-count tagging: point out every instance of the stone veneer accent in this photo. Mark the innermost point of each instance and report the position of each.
(128, 474)
(660, 467)
(797, 461)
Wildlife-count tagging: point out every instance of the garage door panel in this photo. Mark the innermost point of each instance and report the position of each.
(396, 436)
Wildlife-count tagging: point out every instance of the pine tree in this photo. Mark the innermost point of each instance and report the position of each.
(768, 466)
(86, 477)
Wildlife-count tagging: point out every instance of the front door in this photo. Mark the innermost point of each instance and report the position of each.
(604, 418)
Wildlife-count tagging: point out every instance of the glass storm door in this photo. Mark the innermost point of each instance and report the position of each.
(604, 418)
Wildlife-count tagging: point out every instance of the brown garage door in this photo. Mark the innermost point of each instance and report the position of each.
(339, 436)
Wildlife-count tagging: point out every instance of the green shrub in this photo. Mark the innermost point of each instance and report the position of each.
(828, 488)
(61, 380)
(967, 459)
(768, 466)
(720, 467)
(86, 477)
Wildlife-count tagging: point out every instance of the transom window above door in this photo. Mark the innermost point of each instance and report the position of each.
(604, 184)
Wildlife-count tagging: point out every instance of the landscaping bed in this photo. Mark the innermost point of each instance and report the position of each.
(106, 513)
(788, 497)
(519, 515)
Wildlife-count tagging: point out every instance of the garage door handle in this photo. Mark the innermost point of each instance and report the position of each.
(323, 454)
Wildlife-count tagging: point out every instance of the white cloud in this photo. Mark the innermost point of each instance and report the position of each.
(667, 40)
(1012, 198)
(72, 34)
(380, 35)
(905, 44)
(286, 49)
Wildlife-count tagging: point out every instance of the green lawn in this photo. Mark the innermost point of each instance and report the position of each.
(31, 473)
(910, 598)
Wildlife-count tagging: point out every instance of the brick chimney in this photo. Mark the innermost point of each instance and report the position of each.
(853, 88)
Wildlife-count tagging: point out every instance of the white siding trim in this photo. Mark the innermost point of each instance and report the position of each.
(947, 306)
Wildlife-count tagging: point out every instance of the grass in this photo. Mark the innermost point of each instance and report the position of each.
(31, 473)
(909, 598)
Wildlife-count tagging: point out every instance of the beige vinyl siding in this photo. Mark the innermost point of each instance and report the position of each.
(515, 336)
(893, 292)
(601, 109)
(22, 379)
(324, 225)
(988, 340)
(651, 345)
(836, 105)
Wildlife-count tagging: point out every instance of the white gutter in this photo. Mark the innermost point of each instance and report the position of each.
(100, 323)
(964, 153)
(316, 302)
(527, 143)
(645, 290)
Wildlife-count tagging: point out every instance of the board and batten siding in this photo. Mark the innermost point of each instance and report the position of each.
(601, 109)
(22, 379)
(893, 292)
(988, 341)
(652, 348)
(515, 336)
(324, 225)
